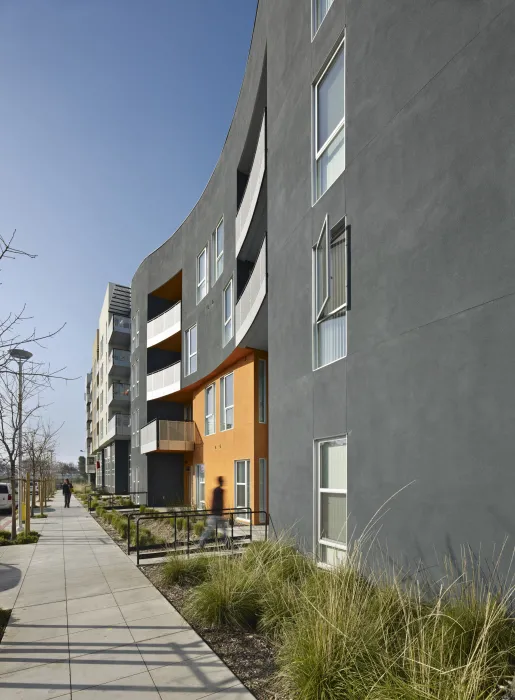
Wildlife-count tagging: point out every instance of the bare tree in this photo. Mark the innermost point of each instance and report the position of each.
(38, 443)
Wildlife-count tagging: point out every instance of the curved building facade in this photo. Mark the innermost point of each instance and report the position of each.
(332, 324)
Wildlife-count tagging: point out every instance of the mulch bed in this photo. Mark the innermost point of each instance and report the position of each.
(4, 619)
(250, 656)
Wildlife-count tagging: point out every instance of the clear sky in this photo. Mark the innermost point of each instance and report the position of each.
(112, 116)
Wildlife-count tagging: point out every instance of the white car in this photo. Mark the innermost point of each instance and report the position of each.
(6, 499)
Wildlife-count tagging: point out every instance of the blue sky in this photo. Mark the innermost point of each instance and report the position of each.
(112, 117)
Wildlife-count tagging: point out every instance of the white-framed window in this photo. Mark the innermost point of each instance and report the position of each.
(217, 252)
(136, 323)
(191, 350)
(202, 275)
(320, 9)
(331, 505)
(242, 486)
(329, 123)
(210, 423)
(262, 391)
(136, 378)
(102, 400)
(228, 308)
(227, 402)
(135, 428)
(330, 294)
(101, 427)
(263, 490)
(200, 486)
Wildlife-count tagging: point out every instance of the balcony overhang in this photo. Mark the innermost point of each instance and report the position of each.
(251, 195)
(167, 436)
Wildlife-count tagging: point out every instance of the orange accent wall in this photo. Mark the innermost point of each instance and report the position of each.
(247, 440)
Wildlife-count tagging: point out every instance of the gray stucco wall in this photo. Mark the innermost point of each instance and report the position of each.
(425, 393)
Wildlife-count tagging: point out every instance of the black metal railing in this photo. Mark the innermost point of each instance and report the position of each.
(157, 549)
(107, 500)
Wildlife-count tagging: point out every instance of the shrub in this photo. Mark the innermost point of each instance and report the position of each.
(31, 538)
(198, 528)
(40, 515)
(186, 570)
(226, 597)
(5, 535)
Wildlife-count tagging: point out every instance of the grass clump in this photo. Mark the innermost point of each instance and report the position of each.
(40, 515)
(186, 571)
(31, 538)
(198, 528)
(5, 535)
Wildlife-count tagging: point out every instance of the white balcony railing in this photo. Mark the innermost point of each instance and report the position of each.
(164, 326)
(250, 197)
(118, 426)
(168, 436)
(252, 297)
(166, 381)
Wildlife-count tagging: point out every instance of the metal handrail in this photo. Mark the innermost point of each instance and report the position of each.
(232, 512)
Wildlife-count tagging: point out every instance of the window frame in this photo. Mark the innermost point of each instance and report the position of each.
(318, 491)
(207, 415)
(246, 484)
(315, 24)
(215, 257)
(317, 313)
(318, 151)
(189, 354)
(200, 471)
(205, 280)
(262, 392)
(136, 319)
(223, 406)
(225, 322)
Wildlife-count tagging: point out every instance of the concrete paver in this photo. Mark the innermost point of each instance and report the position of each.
(86, 623)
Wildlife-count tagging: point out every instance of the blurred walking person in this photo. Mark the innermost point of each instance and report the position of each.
(67, 492)
(216, 520)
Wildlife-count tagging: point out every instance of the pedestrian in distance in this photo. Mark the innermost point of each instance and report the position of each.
(216, 520)
(67, 492)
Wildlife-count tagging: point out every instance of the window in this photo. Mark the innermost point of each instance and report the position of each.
(330, 294)
(101, 427)
(262, 390)
(217, 252)
(210, 425)
(191, 350)
(320, 9)
(263, 491)
(227, 402)
(228, 312)
(188, 411)
(331, 477)
(135, 428)
(102, 400)
(242, 484)
(329, 121)
(202, 275)
(200, 482)
(136, 378)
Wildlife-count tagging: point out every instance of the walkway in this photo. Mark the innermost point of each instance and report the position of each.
(87, 624)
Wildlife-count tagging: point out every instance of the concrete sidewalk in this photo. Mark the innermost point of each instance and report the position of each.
(87, 623)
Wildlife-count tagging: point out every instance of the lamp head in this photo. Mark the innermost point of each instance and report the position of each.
(19, 354)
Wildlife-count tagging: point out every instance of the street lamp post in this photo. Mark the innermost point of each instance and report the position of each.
(20, 356)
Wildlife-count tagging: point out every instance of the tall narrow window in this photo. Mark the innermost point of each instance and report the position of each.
(263, 490)
(191, 350)
(262, 390)
(228, 313)
(210, 426)
(227, 402)
(136, 339)
(217, 252)
(200, 482)
(242, 486)
(329, 136)
(331, 476)
(330, 294)
(136, 368)
(320, 9)
(137, 427)
(202, 275)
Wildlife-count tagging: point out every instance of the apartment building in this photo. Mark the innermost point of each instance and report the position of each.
(108, 411)
(90, 457)
(330, 327)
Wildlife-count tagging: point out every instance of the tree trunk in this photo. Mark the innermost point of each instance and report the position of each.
(33, 501)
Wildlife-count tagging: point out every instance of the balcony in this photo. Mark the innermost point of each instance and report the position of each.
(165, 381)
(119, 362)
(118, 427)
(165, 326)
(253, 296)
(119, 331)
(119, 395)
(250, 197)
(168, 436)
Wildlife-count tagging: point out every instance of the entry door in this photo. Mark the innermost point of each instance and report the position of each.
(200, 486)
